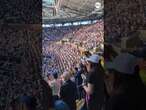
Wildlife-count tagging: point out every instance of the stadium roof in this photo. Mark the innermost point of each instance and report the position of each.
(71, 9)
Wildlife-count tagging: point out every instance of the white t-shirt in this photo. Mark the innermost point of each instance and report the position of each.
(55, 86)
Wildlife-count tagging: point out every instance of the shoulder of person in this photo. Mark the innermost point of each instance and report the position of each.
(64, 84)
(119, 98)
(92, 74)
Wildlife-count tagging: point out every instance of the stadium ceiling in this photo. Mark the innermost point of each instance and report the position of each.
(71, 9)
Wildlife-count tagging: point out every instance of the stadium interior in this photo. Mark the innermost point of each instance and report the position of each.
(74, 24)
(74, 29)
(72, 59)
(71, 30)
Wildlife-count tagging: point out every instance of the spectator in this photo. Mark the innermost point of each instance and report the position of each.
(95, 83)
(68, 91)
(124, 84)
(79, 81)
(55, 86)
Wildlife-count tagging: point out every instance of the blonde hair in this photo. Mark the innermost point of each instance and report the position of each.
(66, 75)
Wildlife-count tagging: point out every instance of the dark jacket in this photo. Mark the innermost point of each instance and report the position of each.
(78, 78)
(68, 94)
(131, 98)
(47, 100)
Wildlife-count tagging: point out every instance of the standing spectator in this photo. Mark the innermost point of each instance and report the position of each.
(78, 80)
(55, 86)
(68, 91)
(95, 83)
(124, 85)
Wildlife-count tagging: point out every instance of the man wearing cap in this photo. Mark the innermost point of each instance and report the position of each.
(95, 83)
(124, 84)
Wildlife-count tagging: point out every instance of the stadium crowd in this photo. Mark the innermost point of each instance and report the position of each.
(114, 86)
(101, 87)
(27, 90)
(87, 37)
(63, 56)
(117, 82)
(57, 33)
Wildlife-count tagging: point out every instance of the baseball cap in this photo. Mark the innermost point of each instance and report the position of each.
(124, 63)
(93, 58)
